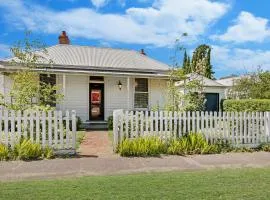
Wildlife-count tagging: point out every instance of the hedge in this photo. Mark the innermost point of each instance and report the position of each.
(247, 105)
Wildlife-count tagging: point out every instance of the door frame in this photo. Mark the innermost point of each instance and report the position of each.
(218, 102)
(97, 86)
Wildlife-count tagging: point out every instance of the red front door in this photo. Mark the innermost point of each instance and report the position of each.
(96, 101)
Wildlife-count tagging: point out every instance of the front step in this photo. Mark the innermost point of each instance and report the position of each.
(95, 125)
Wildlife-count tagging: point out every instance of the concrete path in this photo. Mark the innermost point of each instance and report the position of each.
(96, 144)
(17, 170)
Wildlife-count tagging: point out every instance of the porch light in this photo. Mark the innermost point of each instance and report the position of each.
(119, 85)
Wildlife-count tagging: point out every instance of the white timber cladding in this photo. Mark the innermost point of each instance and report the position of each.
(76, 94)
(124, 98)
(116, 98)
(157, 92)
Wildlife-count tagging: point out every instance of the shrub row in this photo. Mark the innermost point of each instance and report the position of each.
(25, 150)
(248, 105)
(193, 143)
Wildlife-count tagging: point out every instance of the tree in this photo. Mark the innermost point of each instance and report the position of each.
(201, 61)
(186, 64)
(208, 68)
(28, 91)
(252, 86)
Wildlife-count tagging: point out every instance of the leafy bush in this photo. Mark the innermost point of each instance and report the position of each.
(143, 146)
(79, 123)
(4, 152)
(27, 150)
(192, 143)
(110, 122)
(247, 105)
(265, 147)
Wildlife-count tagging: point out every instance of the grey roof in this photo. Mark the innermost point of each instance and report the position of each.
(101, 58)
(229, 82)
(206, 81)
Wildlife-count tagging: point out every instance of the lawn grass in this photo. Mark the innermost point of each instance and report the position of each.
(214, 184)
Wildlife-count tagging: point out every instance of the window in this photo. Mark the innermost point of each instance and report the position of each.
(48, 79)
(141, 93)
(45, 81)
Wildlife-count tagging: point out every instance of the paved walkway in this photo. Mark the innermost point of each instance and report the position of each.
(117, 165)
(96, 144)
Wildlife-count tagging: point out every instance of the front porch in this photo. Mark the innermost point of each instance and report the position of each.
(94, 97)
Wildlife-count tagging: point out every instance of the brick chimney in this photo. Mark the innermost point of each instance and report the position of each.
(143, 52)
(63, 38)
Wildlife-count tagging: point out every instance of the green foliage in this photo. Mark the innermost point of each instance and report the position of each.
(27, 91)
(143, 146)
(78, 123)
(48, 153)
(193, 143)
(252, 86)
(110, 122)
(191, 100)
(201, 61)
(26, 150)
(186, 64)
(4, 152)
(265, 147)
(247, 105)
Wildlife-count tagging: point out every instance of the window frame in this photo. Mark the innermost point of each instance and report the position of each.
(141, 92)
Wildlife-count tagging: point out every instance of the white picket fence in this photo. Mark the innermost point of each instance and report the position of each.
(52, 128)
(239, 128)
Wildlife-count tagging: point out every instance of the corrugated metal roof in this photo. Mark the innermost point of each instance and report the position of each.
(86, 56)
(229, 81)
(206, 81)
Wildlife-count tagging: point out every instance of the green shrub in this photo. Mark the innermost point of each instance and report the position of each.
(247, 105)
(47, 153)
(143, 146)
(26, 150)
(193, 143)
(110, 122)
(79, 123)
(4, 152)
(265, 147)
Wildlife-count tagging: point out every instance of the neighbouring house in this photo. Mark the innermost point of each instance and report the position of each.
(214, 92)
(95, 81)
(229, 82)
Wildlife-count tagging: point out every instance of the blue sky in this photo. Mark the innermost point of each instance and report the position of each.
(237, 30)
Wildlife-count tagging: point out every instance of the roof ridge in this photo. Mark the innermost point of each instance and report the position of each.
(86, 46)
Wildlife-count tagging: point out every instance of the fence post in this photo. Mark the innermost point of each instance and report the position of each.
(116, 114)
(74, 129)
(267, 126)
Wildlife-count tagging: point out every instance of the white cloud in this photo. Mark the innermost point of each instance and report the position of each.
(100, 3)
(239, 59)
(157, 25)
(247, 28)
(4, 50)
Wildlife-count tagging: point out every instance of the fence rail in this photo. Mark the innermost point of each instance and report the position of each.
(239, 128)
(52, 128)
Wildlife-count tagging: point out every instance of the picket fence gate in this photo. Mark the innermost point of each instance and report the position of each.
(52, 128)
(238, 128)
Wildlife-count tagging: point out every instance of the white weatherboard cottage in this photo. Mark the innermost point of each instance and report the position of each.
(96, 81)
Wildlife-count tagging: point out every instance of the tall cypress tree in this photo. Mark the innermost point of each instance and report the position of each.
(188, 65)
(185, 67)
(201, 61)
(208, 68)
